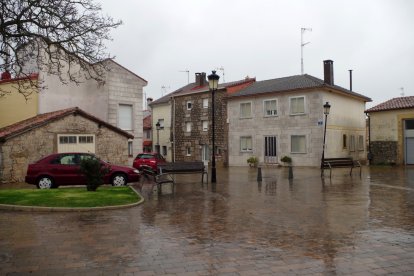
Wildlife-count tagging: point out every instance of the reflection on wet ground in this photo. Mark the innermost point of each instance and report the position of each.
(307, 225)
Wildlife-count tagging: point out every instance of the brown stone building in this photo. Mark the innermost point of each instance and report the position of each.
(68, 130)
(192, 120)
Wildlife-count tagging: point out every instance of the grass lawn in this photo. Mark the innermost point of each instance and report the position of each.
(70, 197)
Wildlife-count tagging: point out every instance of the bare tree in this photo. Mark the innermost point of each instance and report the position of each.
(62, 37)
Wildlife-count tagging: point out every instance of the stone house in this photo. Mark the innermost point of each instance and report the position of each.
(66, 130)
(191, 120)
(391, 131)
(117, 99)
(285, 117)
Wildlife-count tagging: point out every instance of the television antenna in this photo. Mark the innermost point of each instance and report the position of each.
(402, 92)
(164, 90)
(222, 70)
(302, 44)
(188, 74)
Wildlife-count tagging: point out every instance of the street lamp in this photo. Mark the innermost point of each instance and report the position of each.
(213, 85)
(158, 126)
(326, 109)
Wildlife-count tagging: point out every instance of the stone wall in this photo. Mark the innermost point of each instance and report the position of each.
(384, 152)
(197, 137)
(17, 152)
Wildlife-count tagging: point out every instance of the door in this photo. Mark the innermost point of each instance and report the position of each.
(409, 142)
(270, 152)
(205, 154)
(65, 169)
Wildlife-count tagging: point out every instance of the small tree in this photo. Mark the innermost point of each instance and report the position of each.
(286, 159)
(94, 173)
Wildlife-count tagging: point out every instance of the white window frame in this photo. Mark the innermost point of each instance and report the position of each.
(188, 151)
(122, 116)
(189, 105)
(290, 105)
(205, 103)
(291, 144)
(244, 145)
(241, 113)
(265, 110)
(188, 126)
(352, 143)
(161, 121)
(361, 142)
(130, 149)
(205, 125)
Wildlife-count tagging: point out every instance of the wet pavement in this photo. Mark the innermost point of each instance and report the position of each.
(305, 226)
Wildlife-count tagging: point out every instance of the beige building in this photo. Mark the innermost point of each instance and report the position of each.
(65, 130)
(15, 106)
(391, 128)
(285, 117)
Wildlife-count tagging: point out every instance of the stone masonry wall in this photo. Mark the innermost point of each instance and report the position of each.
(384, 152)
(17, 152)
(197, 137)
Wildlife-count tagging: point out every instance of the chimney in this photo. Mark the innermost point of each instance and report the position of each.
(149, 101)
(328, 72)
(200, 79)
(5, 75)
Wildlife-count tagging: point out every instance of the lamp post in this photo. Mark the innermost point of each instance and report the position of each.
(326, 109)
(213, 85)
(158, 126)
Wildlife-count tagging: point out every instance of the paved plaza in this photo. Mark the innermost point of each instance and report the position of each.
(305, 226)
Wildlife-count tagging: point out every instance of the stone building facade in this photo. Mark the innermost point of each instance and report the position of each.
(193, 127)
(391, 129)
(29, 140)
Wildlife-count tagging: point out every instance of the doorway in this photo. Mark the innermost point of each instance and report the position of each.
(270, 152)
(409, 142)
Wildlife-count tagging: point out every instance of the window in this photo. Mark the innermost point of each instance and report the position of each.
(85, 139)
(270, 108)
(245, 110)
(205, 103)
(352, 143)
(130, 150)
(148, 134)
(69, 159)
(125, 117)
(188, 151)
(67, 139)
(161, 121)
(344, 142)
(361, 142)
(164, 150)
(188, 126)
(297, 105)
(298, 144)
(189, 105)
(246, 143)
(205, 125)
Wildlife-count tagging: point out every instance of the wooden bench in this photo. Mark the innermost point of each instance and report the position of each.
(184, 168)
(348, 162)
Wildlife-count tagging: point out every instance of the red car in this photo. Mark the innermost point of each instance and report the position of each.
(64, 169)
(148, 160)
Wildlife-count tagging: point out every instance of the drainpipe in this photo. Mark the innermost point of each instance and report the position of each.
(369, 155)
(173, 126)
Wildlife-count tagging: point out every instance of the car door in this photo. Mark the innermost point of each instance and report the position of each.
(65, 169)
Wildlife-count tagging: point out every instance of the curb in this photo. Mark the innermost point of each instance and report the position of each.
(70, 209)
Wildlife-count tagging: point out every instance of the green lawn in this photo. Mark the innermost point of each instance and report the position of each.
(70, 197)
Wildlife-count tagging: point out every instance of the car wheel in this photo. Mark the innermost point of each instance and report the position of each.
(119, 180)
(45, 182)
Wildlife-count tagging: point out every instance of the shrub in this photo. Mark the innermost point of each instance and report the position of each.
(252, 160)
(286, 159)
(94, 173)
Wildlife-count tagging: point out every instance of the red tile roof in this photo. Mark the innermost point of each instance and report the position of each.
(43, 119)
(395, 103)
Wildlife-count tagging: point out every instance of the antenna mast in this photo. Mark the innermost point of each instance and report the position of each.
(164, 90)
(222, 70)
(402, 92)
(188, 74)
(302, 44)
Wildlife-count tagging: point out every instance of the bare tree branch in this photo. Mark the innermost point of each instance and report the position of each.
(57, 36)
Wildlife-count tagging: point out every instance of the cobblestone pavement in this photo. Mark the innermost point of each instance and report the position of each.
(306, 226)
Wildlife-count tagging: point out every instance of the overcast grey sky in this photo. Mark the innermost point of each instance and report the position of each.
(374, 38)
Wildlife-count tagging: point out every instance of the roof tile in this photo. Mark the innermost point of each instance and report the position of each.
(394, 103)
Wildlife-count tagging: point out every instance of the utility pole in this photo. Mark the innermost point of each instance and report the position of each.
(302, 44)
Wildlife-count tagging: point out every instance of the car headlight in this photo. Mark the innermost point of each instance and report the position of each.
(136, 171)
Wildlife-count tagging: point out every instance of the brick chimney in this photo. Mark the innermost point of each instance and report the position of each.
(200, 79)
(328, 72)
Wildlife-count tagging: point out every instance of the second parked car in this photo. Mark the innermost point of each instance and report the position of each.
(64, 169)
(148, 160)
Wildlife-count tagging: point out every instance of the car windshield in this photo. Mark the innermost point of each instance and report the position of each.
(145, 156)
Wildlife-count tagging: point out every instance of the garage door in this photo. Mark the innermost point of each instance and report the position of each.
(76, 143)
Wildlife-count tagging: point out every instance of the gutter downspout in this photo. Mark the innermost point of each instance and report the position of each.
(369, 155)
(173, 127)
